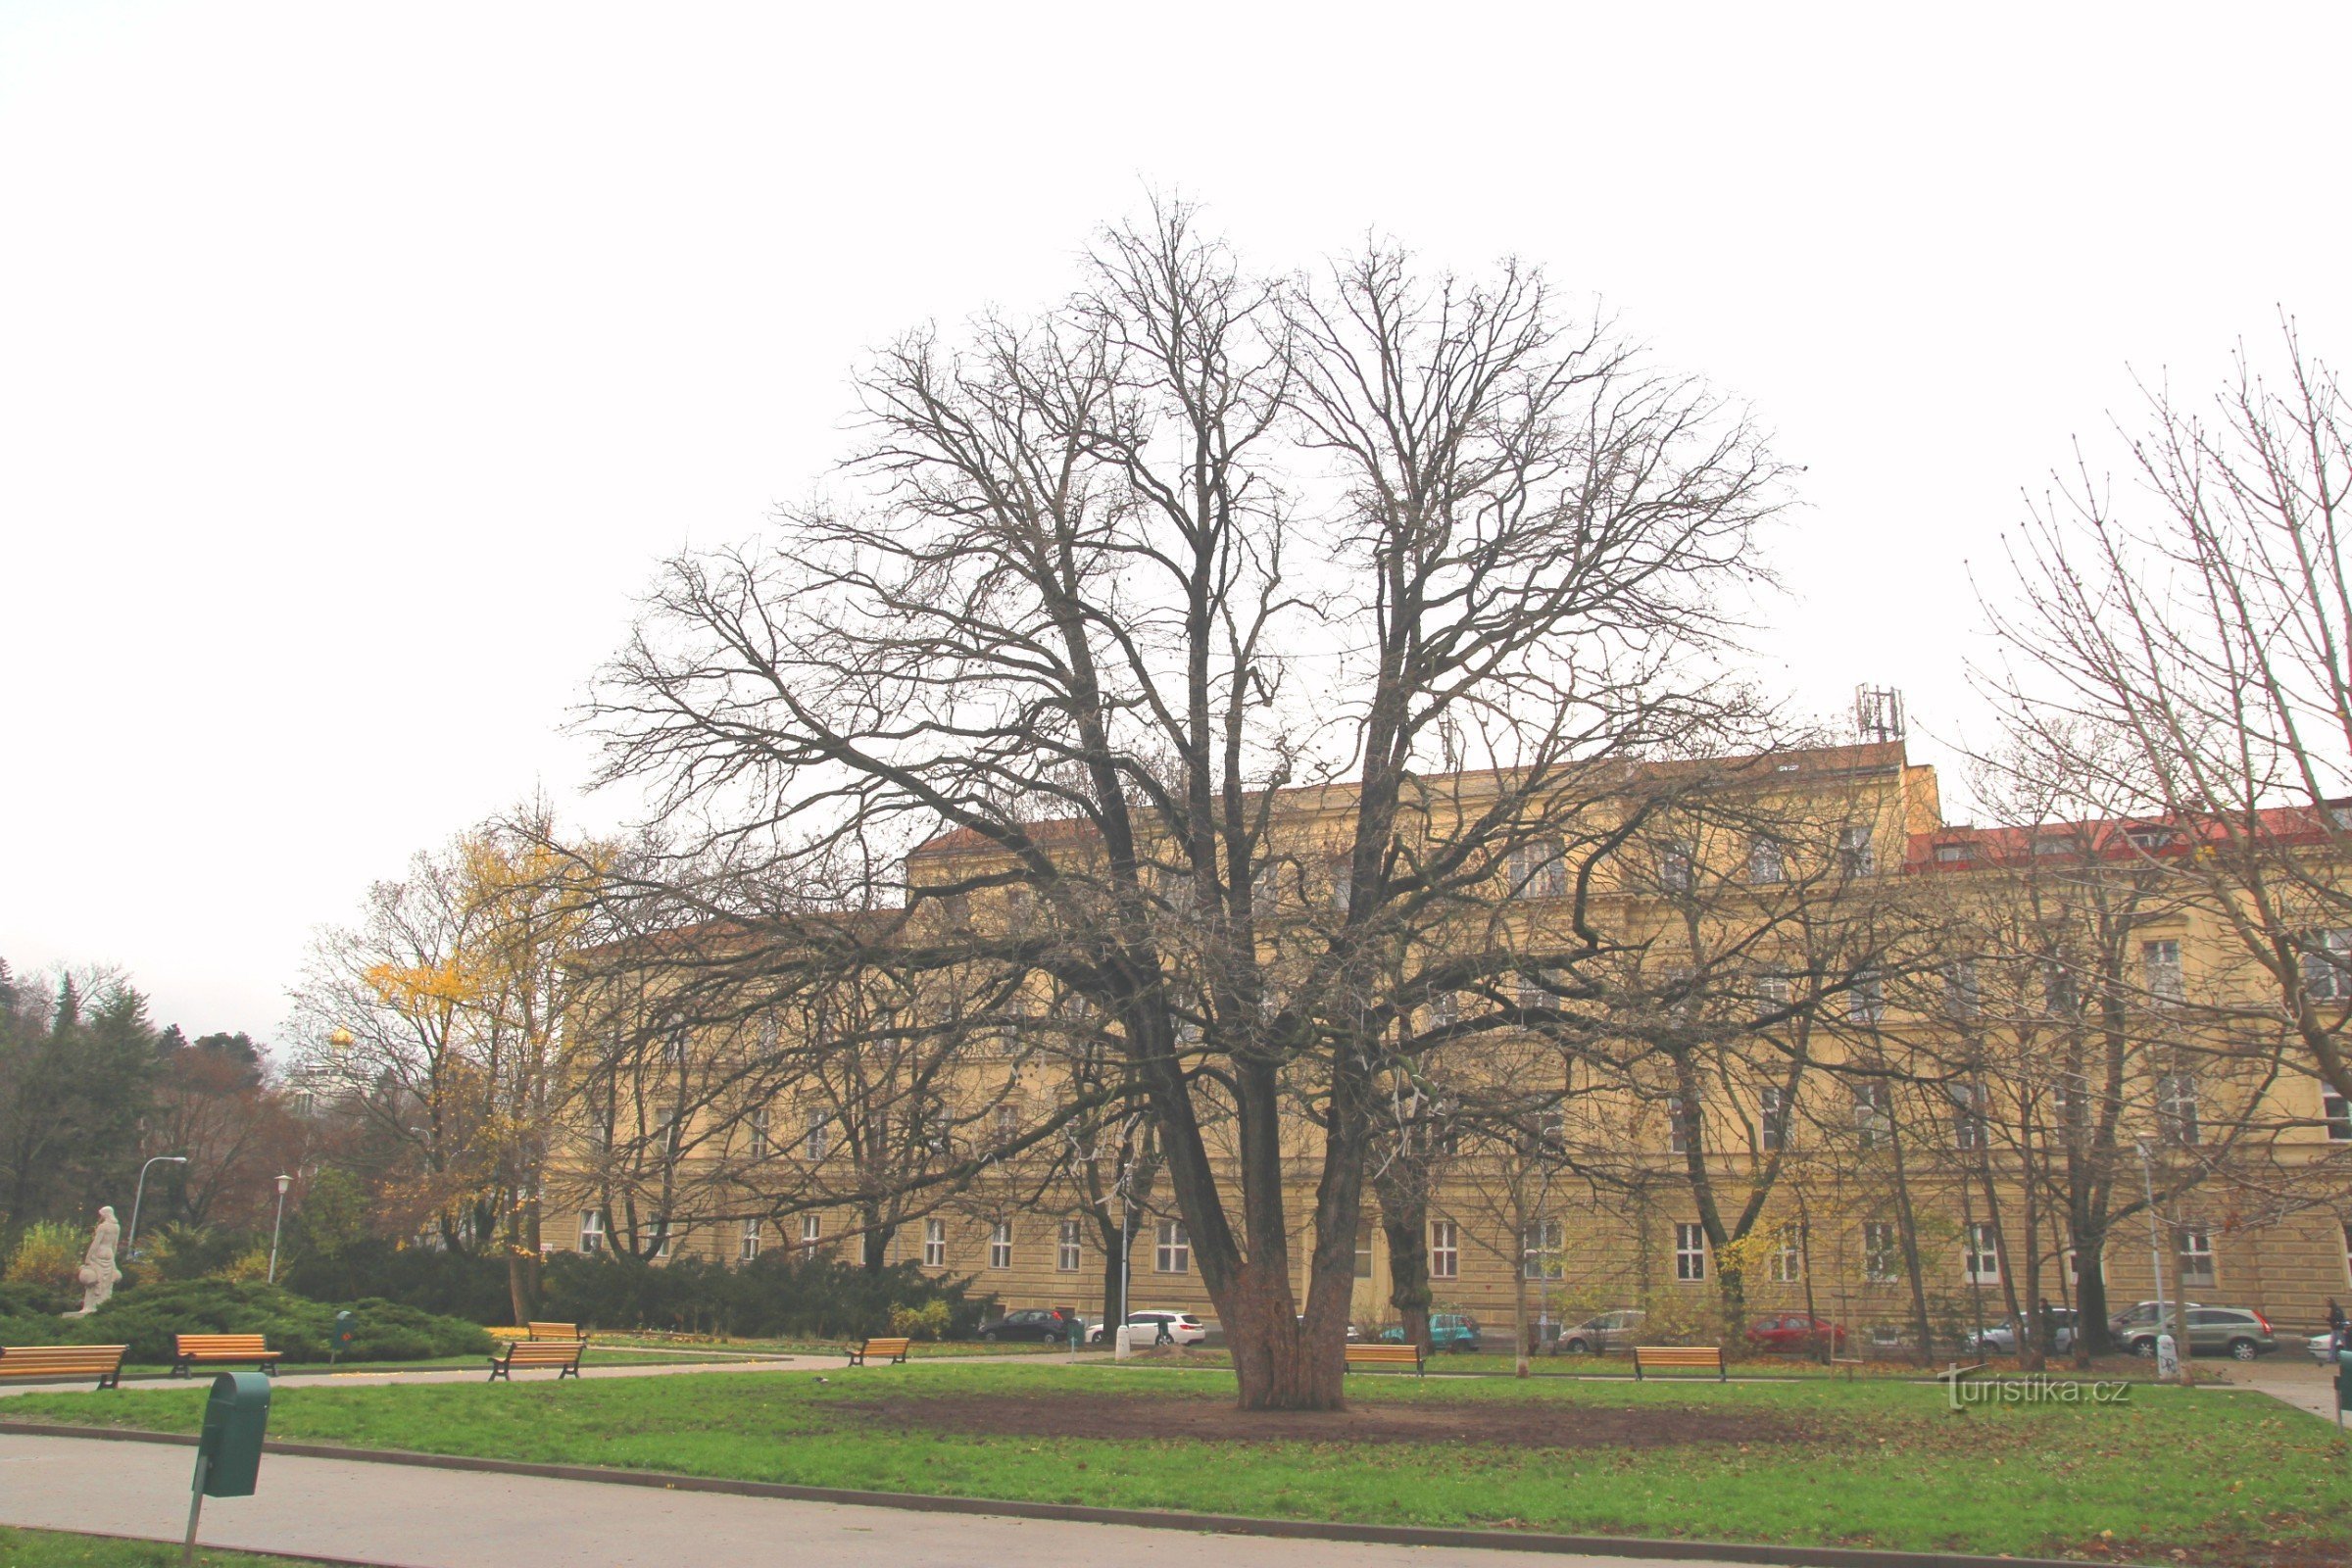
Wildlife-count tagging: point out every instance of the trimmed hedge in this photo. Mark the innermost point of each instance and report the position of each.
(779, 1293)
(303, 1330)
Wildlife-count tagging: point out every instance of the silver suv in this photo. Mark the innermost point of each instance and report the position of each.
(1597, 1336)
(2237, 1332)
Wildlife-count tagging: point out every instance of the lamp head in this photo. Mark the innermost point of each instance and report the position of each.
(284, 1182)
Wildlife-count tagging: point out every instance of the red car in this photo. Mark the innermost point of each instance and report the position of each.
(1794, 1331)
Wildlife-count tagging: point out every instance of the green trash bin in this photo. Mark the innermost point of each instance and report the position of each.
(2343, 1385)
(347, 1329)
(237, 1417)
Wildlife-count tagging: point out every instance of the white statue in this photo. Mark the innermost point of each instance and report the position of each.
(98, 1272)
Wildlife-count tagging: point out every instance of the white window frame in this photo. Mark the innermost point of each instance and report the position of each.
(1855, 855)
(935, 1244)
(1866, 997)
(2336, 1113)
(1544, 1251)
(1000, 1245)
(1772, 1118)
(1787, 1262)
(1874, 1113)
(1882, 1258)
(1969, 1128)
(1444, 1249)
(1539, 869)
(817, 1139)
(2179, 1121)
(1682, 1121)
(1069, 1248)
(747, 1248)
(1172, 1253)
(2192, 1245)
(1690, 1254)
(1767, 862)
(2160, 971)
(812, 1234)
(664, 1236)
(1678, 867)
(762, 1146)
(592, 1229)
(2328, 964)
(1979, 1254)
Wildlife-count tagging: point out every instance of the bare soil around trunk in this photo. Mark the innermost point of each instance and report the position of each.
(1508, 1423)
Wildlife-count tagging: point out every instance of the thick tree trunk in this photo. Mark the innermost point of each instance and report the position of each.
(2090, 1300)
(874, 1245)
(1404, 1219)
(1278, 1364)
(1115, 1279)
(524, 1260)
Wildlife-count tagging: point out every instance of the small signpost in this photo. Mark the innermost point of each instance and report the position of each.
(229, 1453)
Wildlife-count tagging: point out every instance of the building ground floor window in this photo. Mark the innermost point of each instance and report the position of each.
(1174, 1253)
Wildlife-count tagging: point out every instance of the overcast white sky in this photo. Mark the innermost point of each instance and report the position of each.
(358, 362)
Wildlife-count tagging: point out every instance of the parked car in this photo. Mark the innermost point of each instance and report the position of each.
(1045, 1325)
(1794, 1331)
(2321, 1348)
(1448, 1331)
(1183, 1327)
(2238, 1331)
(2143, 1316)
(1599, 1336)
(1353, 1334)
(2001, 1338)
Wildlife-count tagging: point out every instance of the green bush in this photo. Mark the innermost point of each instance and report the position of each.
(781, 1293)
(48, 1257)
(145, 1319)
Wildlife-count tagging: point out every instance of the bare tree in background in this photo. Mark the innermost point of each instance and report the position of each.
(2186, 644)
(1123, 572)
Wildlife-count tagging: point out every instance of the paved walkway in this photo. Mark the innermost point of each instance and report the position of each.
(418, 1518)
(454, 1374)
(2299, 1382)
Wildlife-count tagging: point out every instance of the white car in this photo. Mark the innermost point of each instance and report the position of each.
(1182, 1328)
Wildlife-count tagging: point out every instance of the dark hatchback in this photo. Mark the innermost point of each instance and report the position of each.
(1045, 1325)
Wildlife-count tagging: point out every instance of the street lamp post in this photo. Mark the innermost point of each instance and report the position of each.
(2147, 1184)
(139, 1196)
(284, 1182)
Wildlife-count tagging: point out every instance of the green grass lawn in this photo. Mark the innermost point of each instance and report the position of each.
(2214, 1476)
(53, 1548)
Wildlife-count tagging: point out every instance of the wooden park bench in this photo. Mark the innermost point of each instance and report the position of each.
(893, 1351)
(101, 1361)
(554, 1331)
(1679, 1357)
(1396, 1355)
(193, 1350)
(562, 1354)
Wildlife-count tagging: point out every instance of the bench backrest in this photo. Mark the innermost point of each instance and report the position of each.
(885, 1346)
(556, 1330)
(1679, 1354)
(1384, 1353)
(220, 1345)
(543, 1353)
(19, 1359)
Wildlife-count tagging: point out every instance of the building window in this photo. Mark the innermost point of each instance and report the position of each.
(2328, 965)
(673, 1047)
(1874, 1114)
(1854, 856)
(1674, 868)
(1787, 1263)
(1963, 993)
(749, 1248)
(1979, 1254)
(1174, 1253)
(1363, 1249)
(1445, 1008)
(1340, 877)
(1878, 1251)
(1866, 997)
(2347, 1229)
(819, 1135)
(1968, 1115)
(2160, 972)
(1444, 1249)
(760, 1146)
(1773, 1122)
(1951, 855)
(1774, 993)
(1538, 870)
(1000, 1245)
(935, 1244)
(665, 1133)
(1066, 1256)
(592, 1229)
(661, 1237)
(1682, 1125)
(1543, 1247)
(1690, 1254)
(1008, 1121)
(1766, 863)
(2194, 1242)
(812, 1231)
(2177, 1109)
(2338, 1115)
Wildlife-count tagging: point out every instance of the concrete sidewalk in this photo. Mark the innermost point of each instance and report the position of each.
(454, 1374)
(413, 1517)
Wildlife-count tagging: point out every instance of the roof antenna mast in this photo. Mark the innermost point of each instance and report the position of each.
(1879, 713)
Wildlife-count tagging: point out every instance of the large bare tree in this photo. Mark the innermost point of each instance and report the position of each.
(1417, 565)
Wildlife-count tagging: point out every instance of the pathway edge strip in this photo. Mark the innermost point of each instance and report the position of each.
(1081, 1513)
